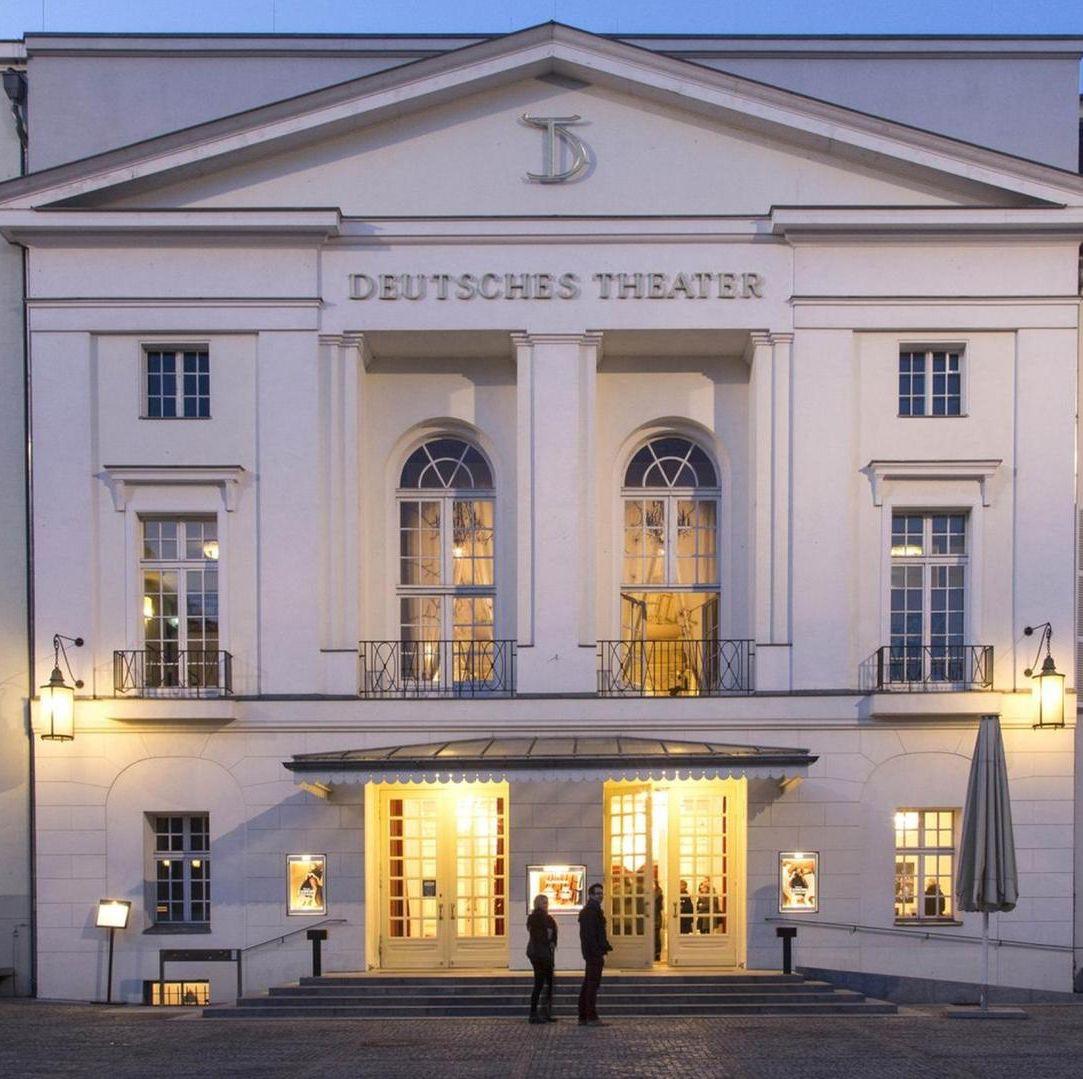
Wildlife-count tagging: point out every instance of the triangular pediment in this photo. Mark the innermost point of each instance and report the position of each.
(445, 136)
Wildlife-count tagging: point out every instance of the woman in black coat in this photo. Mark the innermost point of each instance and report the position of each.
(542, 951)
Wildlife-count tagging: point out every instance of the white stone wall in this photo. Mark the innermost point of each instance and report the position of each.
(14, 758)
(93, 802)
(318, 397)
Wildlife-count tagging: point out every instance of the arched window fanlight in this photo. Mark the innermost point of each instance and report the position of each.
(446, 464)
(670, 461)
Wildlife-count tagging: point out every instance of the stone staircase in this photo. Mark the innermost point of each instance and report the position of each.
(498, 995)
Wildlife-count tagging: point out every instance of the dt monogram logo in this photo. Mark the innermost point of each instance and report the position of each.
(556, 130)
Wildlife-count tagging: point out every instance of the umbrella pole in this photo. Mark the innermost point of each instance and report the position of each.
(984, 960)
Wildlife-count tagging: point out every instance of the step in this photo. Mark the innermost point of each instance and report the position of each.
(562, 985)
(692, 1000)
(516, 1011)
(526, 978)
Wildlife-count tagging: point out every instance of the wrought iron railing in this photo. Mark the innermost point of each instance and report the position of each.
(166, 672)
(707, 668)
(437, 668)
(922, 667)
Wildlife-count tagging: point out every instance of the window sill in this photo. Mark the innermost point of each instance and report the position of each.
(178, 929)
(927, 921)
(170, 419)
(932, 416)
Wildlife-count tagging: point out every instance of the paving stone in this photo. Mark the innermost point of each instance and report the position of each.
(66, 1040)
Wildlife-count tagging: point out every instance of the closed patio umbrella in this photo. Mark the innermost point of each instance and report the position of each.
(987, 879)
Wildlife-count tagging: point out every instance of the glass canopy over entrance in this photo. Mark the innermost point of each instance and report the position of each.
(604, 757)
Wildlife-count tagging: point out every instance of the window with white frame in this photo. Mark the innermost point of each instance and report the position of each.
(928, 598)
(177, 383)
(931, 382)
(446, 584)
(670, 567)
(925, 864)
(182, 869)
(179, 577)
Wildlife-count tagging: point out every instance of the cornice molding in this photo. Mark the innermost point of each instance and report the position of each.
(978, 470)
(123, 479)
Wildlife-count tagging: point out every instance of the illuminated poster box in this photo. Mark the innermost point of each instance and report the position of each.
(563, 884)
(798, 882)
(306, 884)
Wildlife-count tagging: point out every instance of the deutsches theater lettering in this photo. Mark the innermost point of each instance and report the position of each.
(703, 285)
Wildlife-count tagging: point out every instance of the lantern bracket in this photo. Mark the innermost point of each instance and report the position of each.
(59, 650)
(1046, 631)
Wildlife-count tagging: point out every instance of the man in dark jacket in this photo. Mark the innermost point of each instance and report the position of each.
(595, 944)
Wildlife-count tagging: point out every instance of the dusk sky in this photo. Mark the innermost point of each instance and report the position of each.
(607, 16)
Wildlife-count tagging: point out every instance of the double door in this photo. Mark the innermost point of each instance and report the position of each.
(675, 877)
(443, 888)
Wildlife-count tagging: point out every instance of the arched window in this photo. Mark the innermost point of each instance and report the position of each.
(446, 583)
(670, 567)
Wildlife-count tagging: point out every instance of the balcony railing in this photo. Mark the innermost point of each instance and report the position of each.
(173, 672)
(709, 668)
(437, 668)
(932, 667)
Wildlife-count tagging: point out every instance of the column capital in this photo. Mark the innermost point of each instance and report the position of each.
(585, 339)
(348, 340)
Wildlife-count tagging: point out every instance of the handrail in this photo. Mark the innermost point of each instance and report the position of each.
(921, 934)
(292, 932)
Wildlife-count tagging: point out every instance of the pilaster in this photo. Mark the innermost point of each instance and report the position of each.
(556, 513)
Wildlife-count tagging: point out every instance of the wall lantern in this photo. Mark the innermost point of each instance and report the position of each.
(57, 697)
(112, 915)
(1048, 682)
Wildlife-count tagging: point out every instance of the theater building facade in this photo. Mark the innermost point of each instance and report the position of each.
(548, 460)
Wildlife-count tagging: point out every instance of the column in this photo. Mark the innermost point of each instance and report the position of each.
(556, 376)
(343, 358)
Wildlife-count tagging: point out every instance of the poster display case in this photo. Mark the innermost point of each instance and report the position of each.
(306, 884)
(798, 882)
(563, 884)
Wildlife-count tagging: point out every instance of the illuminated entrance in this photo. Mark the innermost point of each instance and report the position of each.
(675, 858)
(444, 876)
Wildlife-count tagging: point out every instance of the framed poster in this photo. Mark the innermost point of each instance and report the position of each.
(306, 883)
(798, 882)
(563, 884)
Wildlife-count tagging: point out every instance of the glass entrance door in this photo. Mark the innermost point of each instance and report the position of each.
(675, 873)
(629, 879)
(443, 890)
(704, 873)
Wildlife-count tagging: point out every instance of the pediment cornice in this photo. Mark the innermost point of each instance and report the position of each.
(548, 49)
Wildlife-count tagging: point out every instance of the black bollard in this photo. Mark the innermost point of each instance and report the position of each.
(787, 933)
(317, 936)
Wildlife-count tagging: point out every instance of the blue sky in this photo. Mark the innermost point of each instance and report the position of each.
(607, 16)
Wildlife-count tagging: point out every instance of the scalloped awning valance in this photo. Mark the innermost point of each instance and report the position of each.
(548, 758)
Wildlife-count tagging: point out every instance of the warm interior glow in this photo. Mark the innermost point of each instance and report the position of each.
(57, 712)
(210, 550)
(1049, 686)
(906, 550)
(148, 606)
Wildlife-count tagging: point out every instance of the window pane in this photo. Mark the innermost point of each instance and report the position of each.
(419, 544)
(696, 557)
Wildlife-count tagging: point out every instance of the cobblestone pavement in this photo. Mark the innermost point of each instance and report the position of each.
(43, 1039)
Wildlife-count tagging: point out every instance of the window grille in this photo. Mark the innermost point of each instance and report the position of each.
(177, 384)
(182, 869)
(925, 864)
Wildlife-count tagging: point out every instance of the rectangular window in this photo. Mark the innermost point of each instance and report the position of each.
(931, 382)
(177, 994)
(928, 597)
(182, 869)
(925, 865)
(179, 573)
(178, 384)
